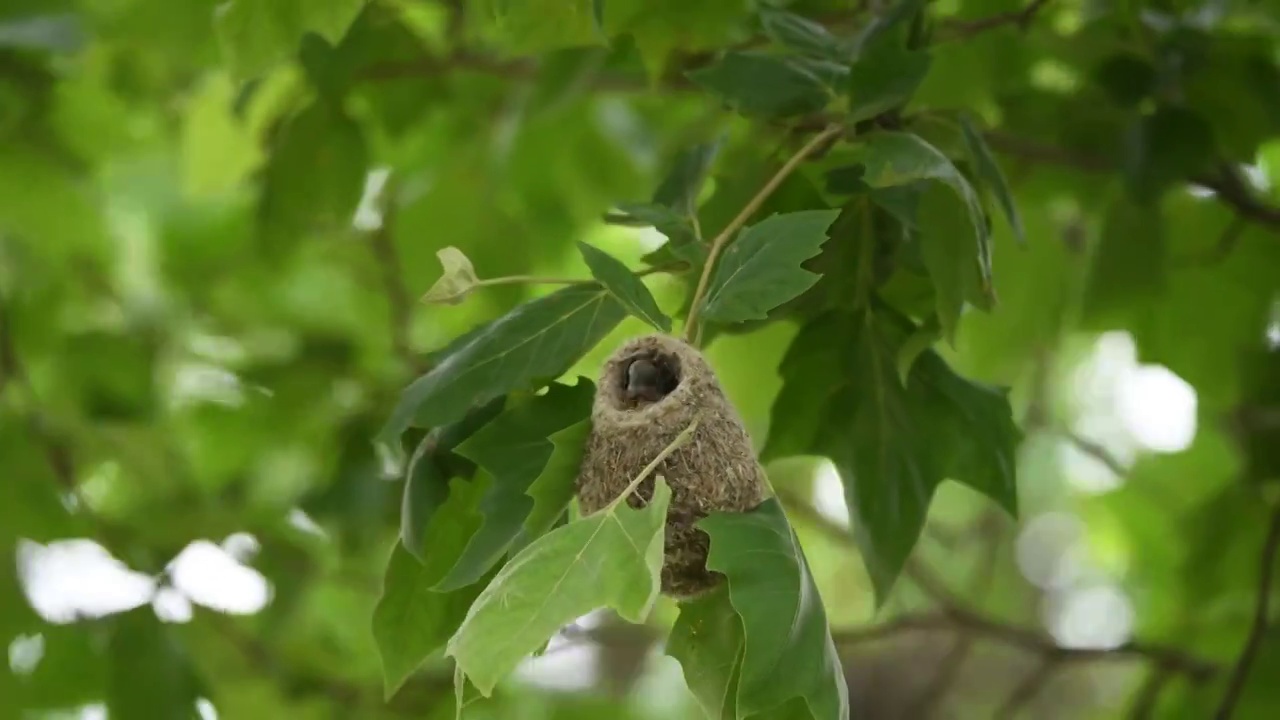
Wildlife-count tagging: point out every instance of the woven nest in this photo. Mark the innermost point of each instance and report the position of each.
(715, 470)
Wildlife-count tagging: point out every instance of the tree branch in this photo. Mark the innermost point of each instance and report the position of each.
(1022, 18)
(953, 615)
(1261, 620)
(1226, 184)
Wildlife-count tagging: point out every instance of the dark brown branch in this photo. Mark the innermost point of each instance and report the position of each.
(1261, 617)
(1227, 184)
(953, 615)
(1097, 452)
(1021, 18)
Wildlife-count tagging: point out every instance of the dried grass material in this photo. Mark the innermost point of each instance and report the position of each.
(715, 470)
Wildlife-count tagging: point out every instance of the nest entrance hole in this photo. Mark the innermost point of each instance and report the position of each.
(648, 377)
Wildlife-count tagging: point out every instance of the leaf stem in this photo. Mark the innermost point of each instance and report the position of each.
(752, 206)
(671, 447)
(672, 267)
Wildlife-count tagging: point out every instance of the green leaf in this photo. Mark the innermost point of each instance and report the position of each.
(555, 486)
(432, 465)
(1128, 266)
(458, 280)
(787, 651)
(538, 339)
(679, 190)
(883, 79)
(1165, 148)
(893, 443)
(947, 250)
(990, 174)
(533, 26)
(757, 84)
(514, 449)
(255, 35)
(315, 177)
(801, 34)
(149, 674)
(707, 642)
(625, 286)
(894, 159)
(411, 621)
(762, 269)
(609, 559)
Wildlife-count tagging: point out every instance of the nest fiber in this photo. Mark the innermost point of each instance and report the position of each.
(715, 470)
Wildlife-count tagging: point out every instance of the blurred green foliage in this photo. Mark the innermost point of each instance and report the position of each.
(217, 219)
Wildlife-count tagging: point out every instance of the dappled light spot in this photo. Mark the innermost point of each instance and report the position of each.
(242, 546)
(25, 653)
(172, 606)
(568, 665)
(1096, 617)
(1158, 408)
(211, 577)
(828, 493)
(206, 710)
(368, 215)
(300, 520)
(1051, 550)
(68, 580)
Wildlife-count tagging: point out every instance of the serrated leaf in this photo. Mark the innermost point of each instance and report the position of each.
(458, 280)
(801, 34)
(411, 621)
(883, 79)
(609, 559)
(679, 190)
(256, 35)
(625, 286)
(788, 652)
(315, 176)
(947, 251)
(893, 444)
(894, 159)
(707, 641)
(754, 83)
(535, 340)
(514, 450)
(762, 269)
(431, 466)
(555, 486)
(984, 162)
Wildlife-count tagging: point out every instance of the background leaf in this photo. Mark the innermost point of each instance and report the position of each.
(757, 84)
(257, 35)
(884, 79)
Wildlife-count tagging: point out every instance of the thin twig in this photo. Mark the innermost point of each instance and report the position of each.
(1028, 689)
(382, 241)
(674, 268)
(1022, 18)
(1144, 706)
(1097, 452)
(753, 205)
(1261, 617)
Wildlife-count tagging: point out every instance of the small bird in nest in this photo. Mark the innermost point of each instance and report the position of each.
(648, 381)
